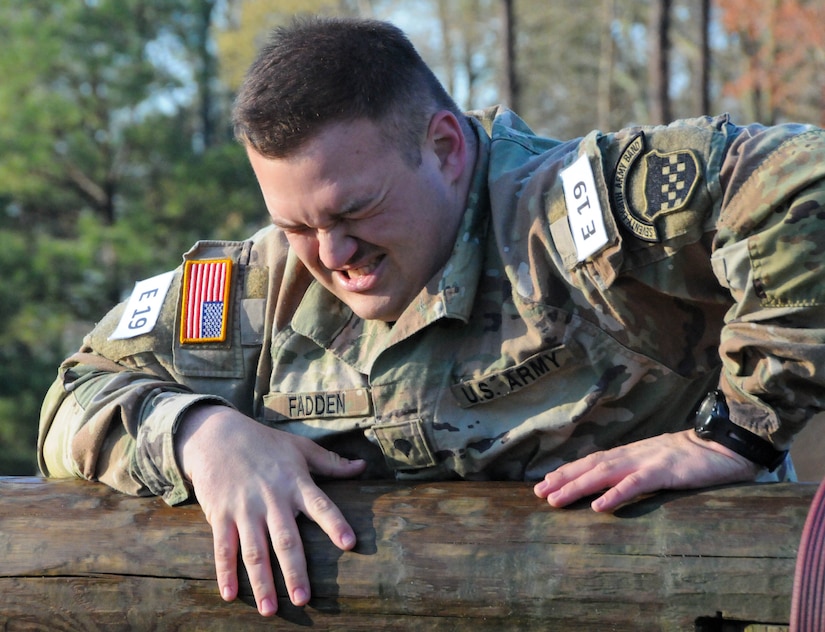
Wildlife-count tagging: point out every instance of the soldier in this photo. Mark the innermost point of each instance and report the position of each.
(449, 295)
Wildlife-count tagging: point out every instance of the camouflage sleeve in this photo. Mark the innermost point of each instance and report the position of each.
(112, 413)
(729, 221)
(114, 425)
(768, 251)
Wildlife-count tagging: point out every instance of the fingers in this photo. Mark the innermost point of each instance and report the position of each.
(320, 509)
(255, 556)
(288, 546)
(255, 508)
(253, 540)
(670, 461)
(331, 464)
(591, 475)
(628, 488)
(289, 550)
(254, 548)
(283, 533)
(278, 527)
(316, 505)
(622, 473)
(225, 546)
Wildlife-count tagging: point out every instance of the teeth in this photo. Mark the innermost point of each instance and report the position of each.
(362, 271)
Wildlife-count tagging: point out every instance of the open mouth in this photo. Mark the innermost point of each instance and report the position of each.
(361, 278)
(354, 273)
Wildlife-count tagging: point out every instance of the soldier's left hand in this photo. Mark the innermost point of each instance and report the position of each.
(680, 460)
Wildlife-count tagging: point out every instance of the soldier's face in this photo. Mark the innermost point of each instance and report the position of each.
(369, 226)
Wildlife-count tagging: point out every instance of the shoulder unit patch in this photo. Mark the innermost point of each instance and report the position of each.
(670, 180)
(205, 300)
(648, 185)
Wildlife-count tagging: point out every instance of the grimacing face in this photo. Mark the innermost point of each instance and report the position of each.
(369, 226)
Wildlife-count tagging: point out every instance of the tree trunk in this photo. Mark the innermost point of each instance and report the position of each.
(659, 68)
(704, 57)
(511, 90)
(207, 73)
(606, 60)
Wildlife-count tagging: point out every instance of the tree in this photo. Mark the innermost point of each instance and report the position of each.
(246, 25)
(109, 169)
(782, 67)
(87, 84)
(607, 51)
(511, 90)
(583, 68)
(703, 74)
(658, 65)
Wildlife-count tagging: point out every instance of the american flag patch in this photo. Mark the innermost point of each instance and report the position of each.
(205, 304)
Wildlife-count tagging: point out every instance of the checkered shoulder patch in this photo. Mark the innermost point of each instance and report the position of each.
(647, 185)
(670, 180)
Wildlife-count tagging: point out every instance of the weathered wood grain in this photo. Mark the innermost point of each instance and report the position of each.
(434, 556)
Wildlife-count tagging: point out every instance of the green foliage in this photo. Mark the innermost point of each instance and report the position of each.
(62, 121)
(35, 304)
(105, 176)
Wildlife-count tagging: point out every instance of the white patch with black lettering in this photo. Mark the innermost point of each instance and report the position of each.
(584, 211)
(143, 308)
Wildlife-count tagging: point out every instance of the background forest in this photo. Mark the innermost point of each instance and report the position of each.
(116, 152)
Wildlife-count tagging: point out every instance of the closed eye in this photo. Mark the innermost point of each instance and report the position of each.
(355, 210)
(291, 228)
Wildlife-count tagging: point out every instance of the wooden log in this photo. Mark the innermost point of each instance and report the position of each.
(431, 556)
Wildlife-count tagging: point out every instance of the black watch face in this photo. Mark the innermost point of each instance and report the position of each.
(702, 426)
(705, 413)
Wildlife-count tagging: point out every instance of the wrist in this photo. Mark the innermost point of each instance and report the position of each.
(186, 432)
(712, 422)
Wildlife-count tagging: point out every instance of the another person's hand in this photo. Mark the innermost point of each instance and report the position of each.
(679, 460)
(251, 482)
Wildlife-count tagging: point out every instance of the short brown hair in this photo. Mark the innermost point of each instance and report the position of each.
(317, 71)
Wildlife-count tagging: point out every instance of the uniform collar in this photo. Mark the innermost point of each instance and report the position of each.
(451, 292)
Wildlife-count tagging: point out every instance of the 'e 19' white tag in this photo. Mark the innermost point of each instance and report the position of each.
(143, 307)
(584, 212)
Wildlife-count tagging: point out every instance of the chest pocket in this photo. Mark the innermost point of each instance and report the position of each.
(310, 382)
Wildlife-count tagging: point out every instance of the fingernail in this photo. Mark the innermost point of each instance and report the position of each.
(348, 540)
(299, 597)
(267, 607)
(226, 593)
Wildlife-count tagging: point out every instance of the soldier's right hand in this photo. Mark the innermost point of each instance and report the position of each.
(251, 482)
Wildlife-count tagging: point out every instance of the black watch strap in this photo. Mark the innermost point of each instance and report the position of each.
(712, 423)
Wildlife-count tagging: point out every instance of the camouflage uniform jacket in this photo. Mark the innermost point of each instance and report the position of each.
(597, 289)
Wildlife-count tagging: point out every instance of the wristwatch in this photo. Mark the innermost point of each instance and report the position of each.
(712, 423)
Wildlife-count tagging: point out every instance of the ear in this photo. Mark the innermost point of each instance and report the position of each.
(446, 138)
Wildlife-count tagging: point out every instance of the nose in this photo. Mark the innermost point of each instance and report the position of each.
(335, 247)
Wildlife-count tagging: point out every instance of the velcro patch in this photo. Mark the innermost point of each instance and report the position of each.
(671, 179)
(205, 300)
(649, 185)
(584, 211)
(354, 402)
(143, 308)
(497, 384)
(405, 445)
